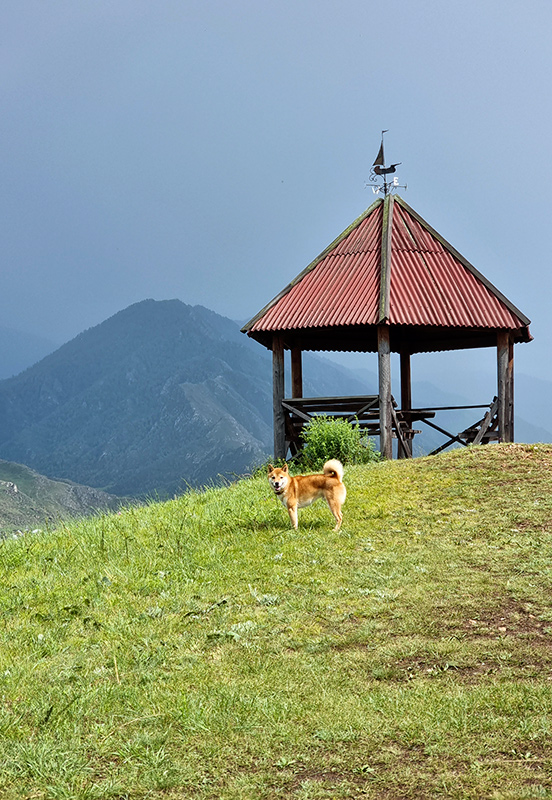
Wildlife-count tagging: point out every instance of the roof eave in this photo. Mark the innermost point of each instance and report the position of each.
(404, 338)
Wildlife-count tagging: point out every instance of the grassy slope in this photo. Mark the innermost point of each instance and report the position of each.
(40, 501)
(200, 648)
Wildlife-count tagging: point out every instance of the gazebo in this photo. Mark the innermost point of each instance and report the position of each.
(388, 283)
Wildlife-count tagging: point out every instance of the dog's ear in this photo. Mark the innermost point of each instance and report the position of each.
(270, 467)
(285, 467)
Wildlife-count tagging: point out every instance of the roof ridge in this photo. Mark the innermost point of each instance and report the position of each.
(386, 260)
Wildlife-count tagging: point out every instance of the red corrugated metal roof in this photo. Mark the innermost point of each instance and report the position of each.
(429, 282)
(341, 284)
(430, 286)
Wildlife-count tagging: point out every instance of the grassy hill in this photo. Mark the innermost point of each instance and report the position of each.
(200, 648)
(30, 500)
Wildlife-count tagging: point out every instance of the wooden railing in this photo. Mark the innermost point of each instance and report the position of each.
(364, 411)
(483, 431)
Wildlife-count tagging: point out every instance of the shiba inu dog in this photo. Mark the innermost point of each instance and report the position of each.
(302, 490)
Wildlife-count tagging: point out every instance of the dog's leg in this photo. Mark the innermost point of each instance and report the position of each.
(292, 511)
(335, 508)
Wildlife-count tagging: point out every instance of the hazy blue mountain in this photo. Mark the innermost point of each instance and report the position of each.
(160, 396)
(533, 397)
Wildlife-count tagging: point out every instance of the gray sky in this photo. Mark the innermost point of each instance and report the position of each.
(208, 150)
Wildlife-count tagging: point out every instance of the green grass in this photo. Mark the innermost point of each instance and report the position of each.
(201, 648)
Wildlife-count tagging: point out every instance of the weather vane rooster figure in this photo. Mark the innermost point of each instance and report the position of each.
(379, 170)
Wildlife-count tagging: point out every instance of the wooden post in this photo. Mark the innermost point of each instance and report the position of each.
(384, 372)
(406, 397)
(505, 392)
(278, 391)
(296, 372)
(511, 385)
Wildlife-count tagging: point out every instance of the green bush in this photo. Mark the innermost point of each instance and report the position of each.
(330, 437)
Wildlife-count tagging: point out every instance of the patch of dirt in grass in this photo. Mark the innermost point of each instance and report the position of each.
(395, 770)
(524, 525)
(319, 776)
(349, 781)
(509, 639)
(398, 771)
(514, 640)
(392, 772)
(517, 619)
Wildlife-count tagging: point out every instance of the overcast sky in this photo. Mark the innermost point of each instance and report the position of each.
(208, 150)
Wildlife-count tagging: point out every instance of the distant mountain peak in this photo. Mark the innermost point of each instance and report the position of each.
(158, 396)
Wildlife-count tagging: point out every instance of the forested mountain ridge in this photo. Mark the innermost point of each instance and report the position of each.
(160, 396)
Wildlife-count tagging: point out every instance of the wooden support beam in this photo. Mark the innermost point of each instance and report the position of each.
(406, 401)
(278, 393)
(511, 385)
(384, 373)
(505, 381)
(485, 423)
(403, 451)
(296, 372)
(406, 382)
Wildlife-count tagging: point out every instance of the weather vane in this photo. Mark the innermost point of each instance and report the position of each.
(379, 170)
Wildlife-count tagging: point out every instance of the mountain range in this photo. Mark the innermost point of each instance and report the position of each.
(160, 396)
(165, 395)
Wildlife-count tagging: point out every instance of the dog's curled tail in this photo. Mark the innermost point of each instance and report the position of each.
(334, 468)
